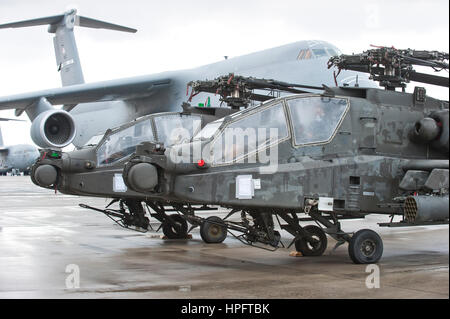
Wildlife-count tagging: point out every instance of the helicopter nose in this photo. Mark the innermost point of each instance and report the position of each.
(142, 177)
(45, 175)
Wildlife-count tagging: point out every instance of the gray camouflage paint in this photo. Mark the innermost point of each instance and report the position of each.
(75, 179)
(377, 155)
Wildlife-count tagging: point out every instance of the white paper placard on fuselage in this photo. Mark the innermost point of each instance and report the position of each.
(325, 204)
(244, 187)
(118, 184)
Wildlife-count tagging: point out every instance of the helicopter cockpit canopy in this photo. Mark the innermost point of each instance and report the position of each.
(176, 128)
(315, 119)
(167, 128)
(94, 140)
(311, 120)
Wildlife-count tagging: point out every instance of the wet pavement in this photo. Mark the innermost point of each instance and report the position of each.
(43, 235)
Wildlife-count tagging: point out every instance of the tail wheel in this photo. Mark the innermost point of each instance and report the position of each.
(176, 230)
(213, 230)
(365, 247)
(317, 246)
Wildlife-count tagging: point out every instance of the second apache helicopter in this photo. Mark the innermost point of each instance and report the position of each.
(343, 153)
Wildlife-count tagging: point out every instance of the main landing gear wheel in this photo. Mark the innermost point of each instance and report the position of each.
(276, 238)
(315, 248)
(212, 233)
(136, 216)
(177, 230)
(365, 247)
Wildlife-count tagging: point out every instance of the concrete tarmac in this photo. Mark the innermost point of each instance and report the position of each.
(43, 235)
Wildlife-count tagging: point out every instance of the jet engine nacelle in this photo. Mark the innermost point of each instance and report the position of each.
(53, 128)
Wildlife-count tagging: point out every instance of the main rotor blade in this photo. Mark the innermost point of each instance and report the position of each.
(429, 79)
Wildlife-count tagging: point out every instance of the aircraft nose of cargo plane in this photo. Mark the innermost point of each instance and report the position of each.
(45, 175)
(142, 177)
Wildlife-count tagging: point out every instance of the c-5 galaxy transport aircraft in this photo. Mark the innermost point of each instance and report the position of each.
(16, 158)
(90, 109)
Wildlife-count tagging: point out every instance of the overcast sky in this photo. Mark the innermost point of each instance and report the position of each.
(180, 34)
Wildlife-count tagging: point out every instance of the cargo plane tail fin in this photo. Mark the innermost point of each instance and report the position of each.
(67, 58)
(1, 138)
(2, 119)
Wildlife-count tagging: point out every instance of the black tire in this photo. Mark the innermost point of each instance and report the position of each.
(365, 247)
(277, 238)
(136, 216)
(178, 231)
(315, 249)
(144, 222)
(213, 233)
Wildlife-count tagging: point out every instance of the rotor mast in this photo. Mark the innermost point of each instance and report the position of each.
(238, 91)
(393, 68)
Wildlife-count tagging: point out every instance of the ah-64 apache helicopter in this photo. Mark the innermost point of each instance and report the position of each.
(341, 153)
(96, 169)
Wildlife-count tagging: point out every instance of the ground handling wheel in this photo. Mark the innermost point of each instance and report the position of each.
(315, 248)
(176, 230)
(213, 230)
(365, 247)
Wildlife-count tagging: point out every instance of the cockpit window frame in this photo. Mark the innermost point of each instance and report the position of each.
(291, 122)
(115, 131)
(229, 119)
(110, 132)
(241, 116)
(305, 54)
(310, 52)
(155, 131)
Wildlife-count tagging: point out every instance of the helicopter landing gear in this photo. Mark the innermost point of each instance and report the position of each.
(255, 227)
(213, 230)
(365, 247)
(314, 247)
(175, 227)
(136, 215)
(309, 240)
(130, 214)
